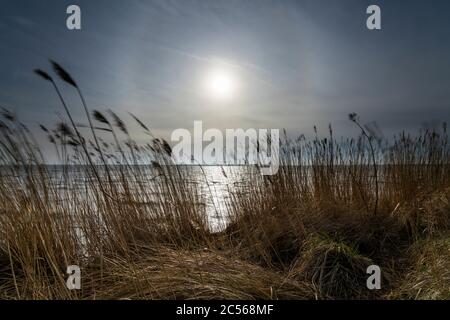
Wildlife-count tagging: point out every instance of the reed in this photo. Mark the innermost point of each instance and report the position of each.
(335, 207)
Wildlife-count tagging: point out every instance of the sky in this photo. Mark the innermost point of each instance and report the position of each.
(294, 64)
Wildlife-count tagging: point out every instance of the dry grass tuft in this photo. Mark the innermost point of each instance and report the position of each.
(336, 269)
(429, 275)
(203, 274)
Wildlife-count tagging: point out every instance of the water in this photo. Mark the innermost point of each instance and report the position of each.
(212, 186)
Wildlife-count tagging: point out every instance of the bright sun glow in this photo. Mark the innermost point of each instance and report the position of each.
(221, 84)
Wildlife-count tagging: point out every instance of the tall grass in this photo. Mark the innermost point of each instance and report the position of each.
(309, 232)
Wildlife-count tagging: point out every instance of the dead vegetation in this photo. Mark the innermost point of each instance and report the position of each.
(310, 232)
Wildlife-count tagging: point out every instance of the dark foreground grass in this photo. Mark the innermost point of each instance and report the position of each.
(309, 232)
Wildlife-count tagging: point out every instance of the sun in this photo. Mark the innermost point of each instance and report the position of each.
(220, 84)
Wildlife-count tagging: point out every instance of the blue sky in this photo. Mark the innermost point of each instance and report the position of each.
(298, 63)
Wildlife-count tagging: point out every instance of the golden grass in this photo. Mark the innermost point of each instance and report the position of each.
(201, 274)
(429, 274)
(308, 232)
